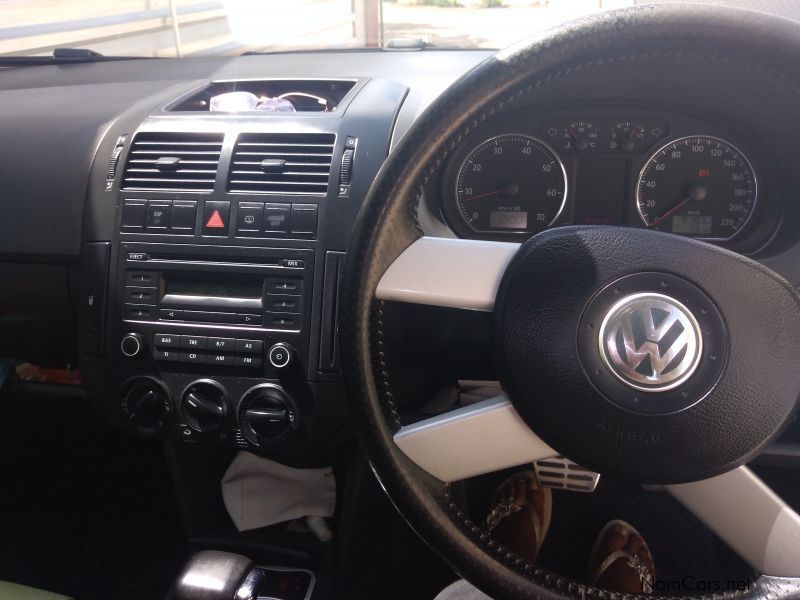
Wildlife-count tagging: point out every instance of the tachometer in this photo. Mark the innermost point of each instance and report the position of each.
(510, 184)
(699, 186)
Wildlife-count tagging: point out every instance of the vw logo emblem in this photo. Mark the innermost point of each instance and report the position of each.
(650, 342)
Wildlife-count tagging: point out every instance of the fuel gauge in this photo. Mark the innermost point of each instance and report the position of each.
(626, 136)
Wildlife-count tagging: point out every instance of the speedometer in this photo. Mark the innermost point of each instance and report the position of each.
(511, 184)
(699, 186)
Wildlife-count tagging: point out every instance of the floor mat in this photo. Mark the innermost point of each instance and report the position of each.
(85, 510)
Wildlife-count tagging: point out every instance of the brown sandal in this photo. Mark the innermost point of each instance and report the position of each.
(520, 514)
(621, 561)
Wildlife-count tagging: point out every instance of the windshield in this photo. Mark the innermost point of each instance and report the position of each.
(169, 28)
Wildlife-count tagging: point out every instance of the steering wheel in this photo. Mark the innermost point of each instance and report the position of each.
(720, 330)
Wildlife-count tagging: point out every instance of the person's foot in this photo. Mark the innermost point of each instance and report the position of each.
(519, 515)
(621, 561)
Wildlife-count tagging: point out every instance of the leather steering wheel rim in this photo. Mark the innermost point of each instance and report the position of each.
(388, 225)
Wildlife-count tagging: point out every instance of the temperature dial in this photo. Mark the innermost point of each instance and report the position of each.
(146, 402)
(267, 415)
(581, 136)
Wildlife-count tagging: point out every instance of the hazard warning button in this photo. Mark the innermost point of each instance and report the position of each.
(216, 217)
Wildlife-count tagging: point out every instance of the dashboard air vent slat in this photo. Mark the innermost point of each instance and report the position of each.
(173, 162)
(282, 163)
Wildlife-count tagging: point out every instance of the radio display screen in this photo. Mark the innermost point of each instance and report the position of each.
(222, 286)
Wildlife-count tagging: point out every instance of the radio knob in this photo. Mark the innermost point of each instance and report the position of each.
(280, 355)
(132, 344)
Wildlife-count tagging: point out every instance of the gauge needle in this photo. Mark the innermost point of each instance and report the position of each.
(486, 195)
(671, 210)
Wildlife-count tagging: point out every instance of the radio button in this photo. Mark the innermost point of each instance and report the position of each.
(247, 319)
(283, 285)
(163, 340)
(284, 321)
(193, 357)
(283, 303)
(139, 312)
(225, 360)
(170, 314)
(219, 343)
(193, 342)
(249, 346)
(141, 278)
(247, 361)
(140, 295)
(166, 354)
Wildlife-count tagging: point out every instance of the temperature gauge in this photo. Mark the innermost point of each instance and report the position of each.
(581, 136)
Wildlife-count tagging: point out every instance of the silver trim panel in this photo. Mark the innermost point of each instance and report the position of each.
(448, 272)
(749, 517)
(480, 438)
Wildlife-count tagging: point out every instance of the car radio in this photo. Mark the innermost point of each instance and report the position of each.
(220, 307)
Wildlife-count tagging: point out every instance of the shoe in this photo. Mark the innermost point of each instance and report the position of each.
(621, 561)
(520, 515)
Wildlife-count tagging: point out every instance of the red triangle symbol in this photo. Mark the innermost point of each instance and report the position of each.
(215, 221)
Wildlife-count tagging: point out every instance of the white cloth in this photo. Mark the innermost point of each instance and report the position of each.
(260, 492)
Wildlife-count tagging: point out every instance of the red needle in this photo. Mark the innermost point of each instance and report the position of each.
(634, 129)
(486, 195)
(670, 211)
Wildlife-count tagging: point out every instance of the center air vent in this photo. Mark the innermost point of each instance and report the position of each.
(173, 162)
(282, 163)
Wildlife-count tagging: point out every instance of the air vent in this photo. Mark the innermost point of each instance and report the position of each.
(173, 162)
(282, 163)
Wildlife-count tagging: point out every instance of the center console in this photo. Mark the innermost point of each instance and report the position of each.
(214, 244)
(213, 248)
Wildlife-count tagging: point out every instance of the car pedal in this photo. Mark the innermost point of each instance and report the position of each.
(563, 474)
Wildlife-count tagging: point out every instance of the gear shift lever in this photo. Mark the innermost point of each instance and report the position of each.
(213, 575)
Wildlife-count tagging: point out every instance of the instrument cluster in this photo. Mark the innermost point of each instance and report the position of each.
(668, 172)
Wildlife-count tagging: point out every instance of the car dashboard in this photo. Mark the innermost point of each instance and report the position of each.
(194, 258)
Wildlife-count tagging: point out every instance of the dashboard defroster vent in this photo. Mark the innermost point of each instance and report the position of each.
(282, 163)
(173, 162)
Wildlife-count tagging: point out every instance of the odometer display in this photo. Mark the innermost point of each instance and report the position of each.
(510, 184)
(699, 186)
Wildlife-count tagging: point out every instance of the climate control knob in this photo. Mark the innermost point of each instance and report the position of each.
(146, 402)
(132, 344)
(267, 415)
(204, 406)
